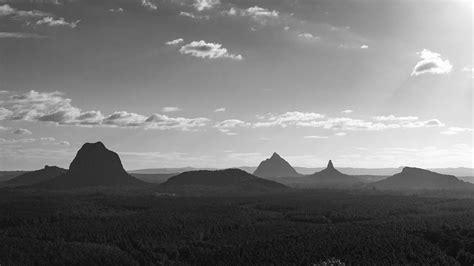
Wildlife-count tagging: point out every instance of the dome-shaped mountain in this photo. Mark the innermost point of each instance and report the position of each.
(332, 178)
(234, 179)
(38, 176)
(275, 167)
(416, 178)
(94, 165)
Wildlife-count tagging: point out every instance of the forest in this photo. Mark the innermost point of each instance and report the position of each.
(301, 227)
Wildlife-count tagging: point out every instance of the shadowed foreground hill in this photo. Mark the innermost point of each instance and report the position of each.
(94, 165)
(38, 176)
(416, 178)
(275, 167)
(232, 180)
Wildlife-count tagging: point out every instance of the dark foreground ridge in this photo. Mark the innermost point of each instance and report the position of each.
(412, 178)
(38, 176)
(235, 179)
(94, 165)
(275, 167)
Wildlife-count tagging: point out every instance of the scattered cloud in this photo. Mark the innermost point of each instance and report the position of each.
(315, 137)
(20, 35)
(288, 118)
(203, 49)
(117, 10)
(201, 5)
(364, 46)
(222, 109)
(22, 131)
(261, 16)
(395, 118)
(7, 10)
(456, 130)
(347, 111)
(340, 134)
(169, 109)
(228, 125)
(149, 5)
(53, 107)
(175, 42)
(59, 22)
(308, 36)
(431, 63)
(468, 69)
(192, 15)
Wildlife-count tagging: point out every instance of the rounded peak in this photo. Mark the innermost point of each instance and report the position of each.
(411, 169)
(95, 145)
(46, 166)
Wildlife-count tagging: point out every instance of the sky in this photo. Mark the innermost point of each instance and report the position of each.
(225, 83)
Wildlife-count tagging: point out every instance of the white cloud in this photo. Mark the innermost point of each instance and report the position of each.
(468, 69)
(193, 16)
(347, 111)
(222, 109)
(6, 10)
(308, 36)
(228, 125)
(395, 118)
(431, 63)
(55, 108)
(59, 22)
(175, 42)
(22, 131)
(117, 10)
(364, 46)
(262, 16)
(149, 5)
(456, 130)
(288, 118)
(20, 35)
(201, 5)
(340, 134)
(169, 109)
(257, 11)
(315, 137)
(203, 49)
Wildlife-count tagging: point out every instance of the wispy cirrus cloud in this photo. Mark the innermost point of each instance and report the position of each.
(53, 107)
(431, 63)
(7, 10)
(456, 130)
(21, 35)
(201, 5)
(59, 22)
(149, 5)
(218, 110)
(169, 109)
(203, 49)
(175, 41)
(228, 125)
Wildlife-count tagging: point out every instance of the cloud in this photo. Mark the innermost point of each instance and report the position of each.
(468, 69)
(117, 10)
(64, 143)
(262, 16)
(6, 10)
(288, 118)
(169, 109)
(257, 11)
(175, 42)
(364, 46)
(456, 130)
(308, 36)
(227, 125)
(222, 109)
(347, 111)
(53, 107)
(59, 22)
(193, 16)
(340, 134)
(395, 118)
(149, 5)
(315, 137)
(22, 131)
(431, 63)
(20, 35)
(201, 5)
(203, 49)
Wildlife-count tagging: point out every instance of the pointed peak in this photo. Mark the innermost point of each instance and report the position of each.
(330, 165)
(275, 156)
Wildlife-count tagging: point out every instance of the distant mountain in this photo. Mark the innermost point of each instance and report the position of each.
(7, 175)
(94, 165)
(332, 178)
(167, 170)
(232, 180)
(275, 166)
(416, 178)
(33, 177)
